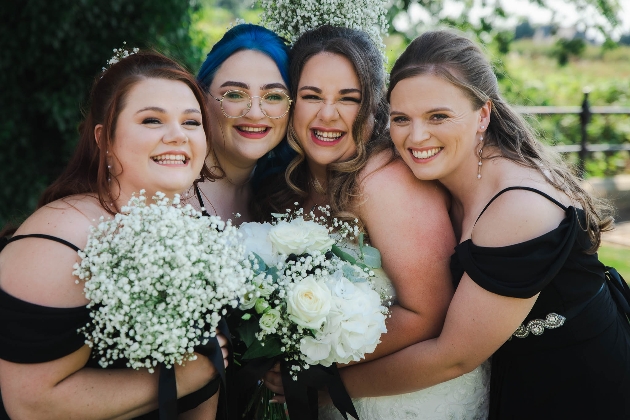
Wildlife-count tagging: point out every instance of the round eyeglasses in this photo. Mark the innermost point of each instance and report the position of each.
(236, 103)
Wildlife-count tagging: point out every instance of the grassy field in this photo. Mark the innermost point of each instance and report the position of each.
(617, 257)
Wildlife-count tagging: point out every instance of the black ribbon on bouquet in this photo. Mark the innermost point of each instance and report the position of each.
(167, 386)
(301, 394)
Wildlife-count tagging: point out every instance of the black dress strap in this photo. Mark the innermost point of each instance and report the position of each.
(547, 196)
(42, 236)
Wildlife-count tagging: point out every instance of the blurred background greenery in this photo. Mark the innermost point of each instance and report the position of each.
(50, 52)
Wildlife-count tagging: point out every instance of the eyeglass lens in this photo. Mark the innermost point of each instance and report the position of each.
(237, 103)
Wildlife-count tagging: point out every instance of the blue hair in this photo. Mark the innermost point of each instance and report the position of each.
(246, 37)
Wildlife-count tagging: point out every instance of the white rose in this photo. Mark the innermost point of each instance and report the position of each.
(308, 303)
(256, 239)
(270, 320)
(300, 236)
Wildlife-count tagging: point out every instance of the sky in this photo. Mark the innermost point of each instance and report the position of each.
(564, 11)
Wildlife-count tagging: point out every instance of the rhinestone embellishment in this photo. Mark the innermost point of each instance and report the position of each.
(537, 326)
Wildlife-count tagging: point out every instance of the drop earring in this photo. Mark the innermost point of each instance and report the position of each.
(479, 152)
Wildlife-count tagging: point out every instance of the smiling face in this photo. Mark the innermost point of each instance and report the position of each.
(243, 140)
(435, 128)
(159, 143)
(327, 104)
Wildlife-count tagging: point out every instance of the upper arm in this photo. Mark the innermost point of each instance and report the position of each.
(408, 222)
(40, 270)
(516, 216)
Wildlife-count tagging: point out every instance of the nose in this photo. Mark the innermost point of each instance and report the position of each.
(175, 134)
(255, 112)
(419, 132)
(328, 112)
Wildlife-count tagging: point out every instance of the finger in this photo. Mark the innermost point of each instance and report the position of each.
(279, 399)
(276, 367)
(221, 339)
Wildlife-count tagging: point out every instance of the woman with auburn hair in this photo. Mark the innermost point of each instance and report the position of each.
(246, 79)
(530, 290)
(345, 160)
(145, 129)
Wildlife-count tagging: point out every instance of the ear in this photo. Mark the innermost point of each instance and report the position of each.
(98, 130)
(484, 116)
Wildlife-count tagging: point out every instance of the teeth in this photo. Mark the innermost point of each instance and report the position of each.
(253, 129)
(169, 159)
(328, 135)
(425, 154)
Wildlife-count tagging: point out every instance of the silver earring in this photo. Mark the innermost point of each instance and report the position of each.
(479, 152)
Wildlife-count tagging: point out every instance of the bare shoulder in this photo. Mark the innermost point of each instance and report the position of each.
(519, 215)
(40, 270)
(384, 176)
(69, 219)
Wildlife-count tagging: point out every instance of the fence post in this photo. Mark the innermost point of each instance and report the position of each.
(585, 118)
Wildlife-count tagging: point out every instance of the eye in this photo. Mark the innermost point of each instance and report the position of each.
(151, 120)
(274, 97)
(311, 98)
(236, 96)
(193, 122)
(438, 117)
(350, 100)
(399, 119)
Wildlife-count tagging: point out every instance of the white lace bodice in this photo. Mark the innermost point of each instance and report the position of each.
(462, 398)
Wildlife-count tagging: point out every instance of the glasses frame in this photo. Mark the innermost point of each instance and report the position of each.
(249, 105)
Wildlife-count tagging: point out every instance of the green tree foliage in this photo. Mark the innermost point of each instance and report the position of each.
(51, 51)
(566, 48)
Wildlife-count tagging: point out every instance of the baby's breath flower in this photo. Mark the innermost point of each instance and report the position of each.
(158, 277)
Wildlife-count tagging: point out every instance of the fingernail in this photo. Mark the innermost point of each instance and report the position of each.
(273, 400)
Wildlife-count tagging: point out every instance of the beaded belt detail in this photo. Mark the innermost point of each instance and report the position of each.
(537, 326)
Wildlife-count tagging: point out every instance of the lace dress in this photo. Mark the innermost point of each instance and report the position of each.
(462, 398)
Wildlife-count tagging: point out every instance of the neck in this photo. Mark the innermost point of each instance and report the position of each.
(318, 177)
(236, 175)
(123, 196)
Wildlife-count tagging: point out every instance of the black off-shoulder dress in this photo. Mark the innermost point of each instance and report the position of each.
(31, 333)
(570, 359)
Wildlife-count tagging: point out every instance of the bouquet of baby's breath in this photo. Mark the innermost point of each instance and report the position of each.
(159, 278)
(312, 302)
(291, 18)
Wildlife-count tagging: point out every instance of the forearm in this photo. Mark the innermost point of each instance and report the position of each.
(416, 367)
(87, 394)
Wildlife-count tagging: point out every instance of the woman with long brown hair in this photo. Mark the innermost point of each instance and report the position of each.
(145, 129)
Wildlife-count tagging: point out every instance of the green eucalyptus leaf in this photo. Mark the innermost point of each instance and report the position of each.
(371, 256)
(270, 349)
(248, 329)
(343, 255)
(262, 267)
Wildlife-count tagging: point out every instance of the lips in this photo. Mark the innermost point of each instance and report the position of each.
(326, 137)
(425, 153)
(171, 159)
(252, 132)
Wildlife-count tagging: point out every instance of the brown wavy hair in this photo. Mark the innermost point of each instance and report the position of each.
(369, 130)
(87, 171)
(461, 62)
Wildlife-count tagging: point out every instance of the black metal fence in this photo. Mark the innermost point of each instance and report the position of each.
(585, 111)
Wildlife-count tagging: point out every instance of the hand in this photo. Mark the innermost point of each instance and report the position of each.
(273, 381)
(223, 342)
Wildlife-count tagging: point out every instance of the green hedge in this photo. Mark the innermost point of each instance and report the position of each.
(50, 52)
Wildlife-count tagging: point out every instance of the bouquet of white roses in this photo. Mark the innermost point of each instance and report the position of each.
(312, 301)
(159, 278)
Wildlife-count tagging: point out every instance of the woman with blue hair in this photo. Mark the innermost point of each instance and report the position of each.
(246, 78)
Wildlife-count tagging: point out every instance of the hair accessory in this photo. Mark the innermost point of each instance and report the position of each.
(479, 152)
(292, 18)
(119, 54)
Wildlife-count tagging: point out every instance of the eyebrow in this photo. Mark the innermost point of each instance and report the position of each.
(443, 108)
(163, 111)
(342, 91)
(273, 86)
(237, 84)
